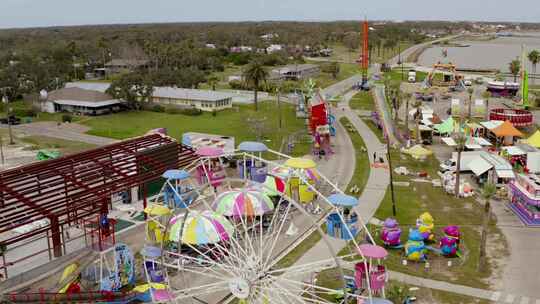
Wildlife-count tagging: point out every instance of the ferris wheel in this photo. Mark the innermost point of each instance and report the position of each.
(222, 231)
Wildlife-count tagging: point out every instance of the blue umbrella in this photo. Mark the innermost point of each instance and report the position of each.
(176, 174)
(252, 146)
(342, 200)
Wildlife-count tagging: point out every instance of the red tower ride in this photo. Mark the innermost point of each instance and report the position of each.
(365, 51)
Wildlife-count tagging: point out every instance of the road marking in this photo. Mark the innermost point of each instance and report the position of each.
(510, 298)
(524, 300)
(496, 296)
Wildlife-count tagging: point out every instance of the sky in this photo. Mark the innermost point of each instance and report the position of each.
(32, 13)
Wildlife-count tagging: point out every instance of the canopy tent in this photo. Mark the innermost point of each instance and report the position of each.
(492, 124)
(449, 141)
(418, 151)
(534, 140)
(447, 127)
(506, 129)
(479, 166)
(513, 151)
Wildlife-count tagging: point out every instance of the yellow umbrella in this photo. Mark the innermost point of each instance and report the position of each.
(418, 151)
(157, 210)
(534, 140)
(144, 288)
(300, 163)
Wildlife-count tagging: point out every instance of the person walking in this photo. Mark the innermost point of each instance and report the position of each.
(374, 157)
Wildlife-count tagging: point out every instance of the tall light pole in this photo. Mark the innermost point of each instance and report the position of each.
(5, 100)
(8, 111)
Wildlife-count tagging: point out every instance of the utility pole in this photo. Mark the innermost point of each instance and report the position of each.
(394, 212)
(279, 107)
(8, 111)
(2, 150)
(399, 59)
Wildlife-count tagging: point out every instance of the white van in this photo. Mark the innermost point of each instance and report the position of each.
(412, 76)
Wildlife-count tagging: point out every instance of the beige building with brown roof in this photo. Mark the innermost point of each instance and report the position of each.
(80, 101)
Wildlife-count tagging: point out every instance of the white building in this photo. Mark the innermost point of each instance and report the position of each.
(274, 48)
(204, 100)
(80, 101)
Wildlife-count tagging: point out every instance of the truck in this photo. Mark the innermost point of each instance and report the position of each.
(412, 76)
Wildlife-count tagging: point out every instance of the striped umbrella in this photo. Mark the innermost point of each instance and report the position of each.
(308, 174)
(242, 202)
(201, 228)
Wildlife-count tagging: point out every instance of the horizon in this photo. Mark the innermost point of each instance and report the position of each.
(63, 13)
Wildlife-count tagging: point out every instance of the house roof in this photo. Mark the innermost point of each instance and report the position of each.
(126, 62)
(94, 86)
(295, 68)
(190, 94)
(78, 94)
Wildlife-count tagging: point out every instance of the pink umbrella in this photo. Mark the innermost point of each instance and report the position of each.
(372, 251)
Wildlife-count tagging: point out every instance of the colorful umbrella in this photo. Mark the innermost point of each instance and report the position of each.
(272, 186)
(201, 228)
(243, 203)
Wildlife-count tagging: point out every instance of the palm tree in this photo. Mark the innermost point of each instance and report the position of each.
(255, 74)
(515, 67)
(470, 91)
(213, 81)
(418, 106)
(534, 58)
(487, 193)
(487, 95)
(460, 144)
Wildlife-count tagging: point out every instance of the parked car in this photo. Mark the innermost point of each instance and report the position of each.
(448, 165)
(12, 120)
(468, 82)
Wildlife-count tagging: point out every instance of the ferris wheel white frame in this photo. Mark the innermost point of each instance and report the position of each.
(243, 249)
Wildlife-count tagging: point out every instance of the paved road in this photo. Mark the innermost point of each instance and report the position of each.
(64, 131)
(373, 193)
(406, 53)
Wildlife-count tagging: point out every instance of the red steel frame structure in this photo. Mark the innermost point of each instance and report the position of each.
(365, 50)
(69, 189)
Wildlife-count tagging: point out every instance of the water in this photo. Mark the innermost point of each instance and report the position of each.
(493, 54)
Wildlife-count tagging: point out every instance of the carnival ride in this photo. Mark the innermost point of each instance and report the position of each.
(450, 77)
(518, 117)
(228, 243)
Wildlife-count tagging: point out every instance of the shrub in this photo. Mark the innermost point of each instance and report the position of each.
(171, 110)
(237, 85)
(67, 118)
(191, 112)
(157, 108)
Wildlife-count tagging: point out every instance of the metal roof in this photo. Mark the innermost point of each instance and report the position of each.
(94, 86)
(190, 94)
(88, 104)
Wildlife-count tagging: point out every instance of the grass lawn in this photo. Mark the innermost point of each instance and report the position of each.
(64, 146)
(361, 171)
(362, 101)
(419, 197)
(395, 75)
(230, 122)
(397, 292)
(371, 125)
(223, 84)
(324, 80)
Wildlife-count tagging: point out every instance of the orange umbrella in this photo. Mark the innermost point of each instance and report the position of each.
(506, 129)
